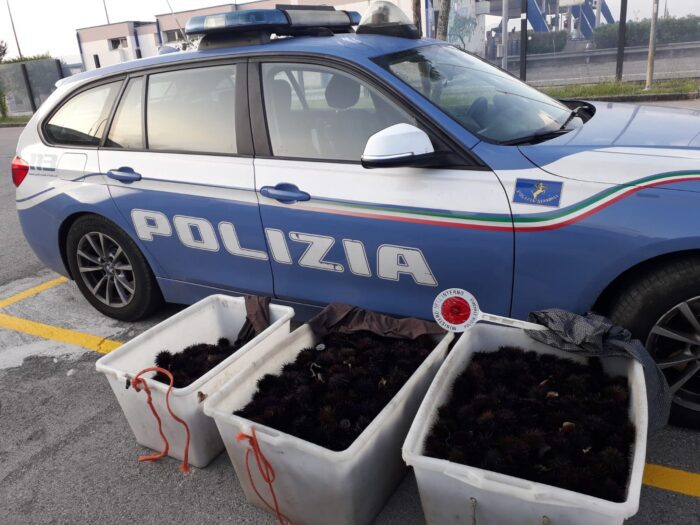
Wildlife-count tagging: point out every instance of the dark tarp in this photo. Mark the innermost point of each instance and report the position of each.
(257, 319)
(595, 335)
(344, 318)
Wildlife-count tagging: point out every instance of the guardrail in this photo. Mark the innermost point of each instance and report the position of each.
(680, 60)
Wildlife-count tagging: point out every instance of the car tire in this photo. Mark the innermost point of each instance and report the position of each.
(662, 308)
(98, 251)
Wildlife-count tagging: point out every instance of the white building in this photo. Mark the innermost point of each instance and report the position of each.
(114, 43)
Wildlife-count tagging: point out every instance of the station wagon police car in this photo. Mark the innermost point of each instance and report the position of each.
(295, 157)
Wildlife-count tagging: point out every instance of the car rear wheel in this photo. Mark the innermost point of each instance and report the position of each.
(662, 308)
(109, 269)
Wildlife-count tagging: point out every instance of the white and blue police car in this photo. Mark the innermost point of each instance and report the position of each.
(295, 157)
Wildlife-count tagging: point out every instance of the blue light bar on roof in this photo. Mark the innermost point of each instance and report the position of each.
(237, 20)
(280, 21)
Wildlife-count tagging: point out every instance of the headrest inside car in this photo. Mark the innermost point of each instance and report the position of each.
(342, 92)
(281, 94)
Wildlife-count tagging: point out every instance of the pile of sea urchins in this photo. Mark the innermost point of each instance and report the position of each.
(193, 362)
(540, 418)
(330, 393)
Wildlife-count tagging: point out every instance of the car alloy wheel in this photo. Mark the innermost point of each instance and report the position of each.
(674, 341)
(105, 269)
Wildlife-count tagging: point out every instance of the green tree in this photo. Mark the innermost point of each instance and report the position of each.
(3, 49)
(462, 26)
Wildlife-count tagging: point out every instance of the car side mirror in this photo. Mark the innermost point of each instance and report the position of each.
(399, 145)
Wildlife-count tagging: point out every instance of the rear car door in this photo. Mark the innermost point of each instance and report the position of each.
(181, 172)
(388, 239)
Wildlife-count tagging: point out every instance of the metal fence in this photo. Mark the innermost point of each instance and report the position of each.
(564, 42)
(576, 41)
(26, 85)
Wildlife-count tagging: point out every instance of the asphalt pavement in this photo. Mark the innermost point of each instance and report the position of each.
(68, 456)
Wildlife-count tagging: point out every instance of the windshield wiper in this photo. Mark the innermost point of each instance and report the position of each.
(537, 137)
(572, 116)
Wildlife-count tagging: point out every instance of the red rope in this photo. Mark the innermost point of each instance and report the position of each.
(138, 383)
(267, 473)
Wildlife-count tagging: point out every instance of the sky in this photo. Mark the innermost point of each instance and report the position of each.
(49, 25)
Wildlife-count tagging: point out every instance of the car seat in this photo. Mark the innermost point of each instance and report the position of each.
(348, 129)
(290, 130)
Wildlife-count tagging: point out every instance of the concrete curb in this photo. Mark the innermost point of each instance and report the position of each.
(13, 124)
(657, 97)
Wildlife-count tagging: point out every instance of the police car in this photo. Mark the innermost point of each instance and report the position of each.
(296, 157)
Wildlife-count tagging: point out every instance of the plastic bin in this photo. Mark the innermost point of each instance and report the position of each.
(315, 485)
(205, 321)
(455, 493)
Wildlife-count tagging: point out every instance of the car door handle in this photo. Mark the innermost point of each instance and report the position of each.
(124, 174)
(284, 192)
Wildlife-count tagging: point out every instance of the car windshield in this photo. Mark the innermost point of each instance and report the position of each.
(488, 102)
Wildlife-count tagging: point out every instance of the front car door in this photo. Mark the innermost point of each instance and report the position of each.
(387, 239)
(181, 175)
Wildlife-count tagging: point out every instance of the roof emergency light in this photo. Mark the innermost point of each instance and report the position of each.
(385, 18)
(285, 20)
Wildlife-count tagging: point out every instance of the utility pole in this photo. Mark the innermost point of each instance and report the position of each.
(652, 45)
(598, 7)
(504, 34)
(12, 22)
(104, 4)
(523, 40)
(622, 29)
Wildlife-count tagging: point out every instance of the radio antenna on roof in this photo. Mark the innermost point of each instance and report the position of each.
(182, 32)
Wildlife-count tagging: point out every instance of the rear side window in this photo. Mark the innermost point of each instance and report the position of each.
(81, 120)
(192, 110)
(127, 127)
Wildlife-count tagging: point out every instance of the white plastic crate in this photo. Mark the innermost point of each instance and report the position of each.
(204, 322)
(454, 493)
(315, 485)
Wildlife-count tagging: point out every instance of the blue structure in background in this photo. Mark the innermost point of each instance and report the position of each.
(536, 18)
(585, 13)
(607, 14)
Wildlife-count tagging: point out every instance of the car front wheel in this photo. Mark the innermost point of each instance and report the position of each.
(662, 308)
(109, 269)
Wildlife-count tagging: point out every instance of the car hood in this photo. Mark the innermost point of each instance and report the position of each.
(622, 143)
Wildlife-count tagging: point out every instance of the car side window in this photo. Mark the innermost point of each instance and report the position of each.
(192, 110)
(316, 112)
(81, 120)
(127, 126)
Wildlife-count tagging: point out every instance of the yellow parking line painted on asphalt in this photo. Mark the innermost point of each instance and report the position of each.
(672, 479)
(31, 291)
(55, 333)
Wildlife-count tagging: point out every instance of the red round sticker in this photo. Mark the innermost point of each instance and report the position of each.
(456, 310)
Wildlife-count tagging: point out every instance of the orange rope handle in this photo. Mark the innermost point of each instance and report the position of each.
(267, 473)
(138, 383)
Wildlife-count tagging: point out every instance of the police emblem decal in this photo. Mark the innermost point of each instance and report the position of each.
(539, 192)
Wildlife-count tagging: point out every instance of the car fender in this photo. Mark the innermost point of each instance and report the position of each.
(569, 266)
(43, 218)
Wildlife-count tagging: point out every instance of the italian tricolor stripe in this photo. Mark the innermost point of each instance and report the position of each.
(498, 222)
